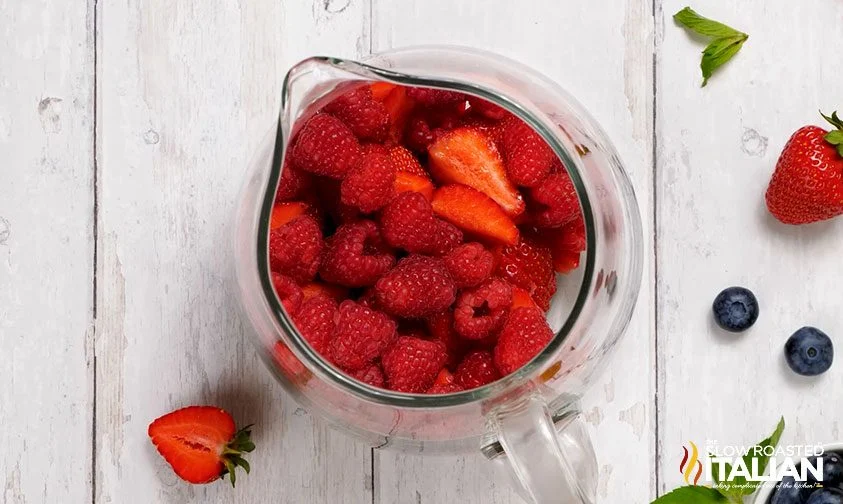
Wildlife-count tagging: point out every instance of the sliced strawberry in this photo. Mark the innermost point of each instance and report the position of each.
(473, 211)
(314, 289)
(405, 181)
(201, 443)
(283, 213)
(380, 90)
(467, 156)
(399, 106)
(521, 299)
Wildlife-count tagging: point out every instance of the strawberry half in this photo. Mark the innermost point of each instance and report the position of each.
(201, 443)
(473, 211)
(467, 156)
(807, 185)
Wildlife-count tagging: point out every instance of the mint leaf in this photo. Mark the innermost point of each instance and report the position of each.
(740, 486)
(727, 41)
(691, 495)
(704, 26)
(718, 53)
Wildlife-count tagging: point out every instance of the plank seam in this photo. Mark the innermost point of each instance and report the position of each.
(655, 238)
(95, 228)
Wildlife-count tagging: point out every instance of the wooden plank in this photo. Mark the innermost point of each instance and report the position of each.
(718, 146)
(604, 57)
(188, 89)
(46, 250)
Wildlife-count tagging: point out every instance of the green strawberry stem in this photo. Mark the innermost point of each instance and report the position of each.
(231, 455)
(835, 136)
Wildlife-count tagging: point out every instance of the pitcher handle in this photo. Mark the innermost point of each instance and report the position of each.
(553, 461)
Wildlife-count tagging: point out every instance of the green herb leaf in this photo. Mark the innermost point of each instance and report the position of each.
(691, 495)
(740, 486)
(718, 53)
(704, 26)
(727, 41)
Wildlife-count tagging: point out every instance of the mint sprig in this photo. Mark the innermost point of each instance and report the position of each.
(734, 491)
(835, 136)
(725, 44)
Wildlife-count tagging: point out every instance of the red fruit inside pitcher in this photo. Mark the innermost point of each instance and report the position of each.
(417, 237)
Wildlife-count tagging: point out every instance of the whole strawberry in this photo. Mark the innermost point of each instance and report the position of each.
(201, 443)
(807, 185)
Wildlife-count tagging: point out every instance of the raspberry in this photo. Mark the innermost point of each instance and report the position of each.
(373, 148)
(528, 157)
(418, 135)
(408, 222)
(411, 364)
(476, 369)
(325, 146)
(372, 375)
(405, 161)
(355, 256)
(294, 248)
(434, 97)
(448, 388)
(444, 384)
(288, 292)
(469, 264)
(365, 116)
(480, 312)
(555, 200)
(315, 321)
(416, 287)
(293, 182)
(369, 185)
(362, 334)
(441, 328)
(524, 335)
(528, 265)
(486, 108)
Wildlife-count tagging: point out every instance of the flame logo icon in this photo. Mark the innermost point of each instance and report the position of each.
(690, 465)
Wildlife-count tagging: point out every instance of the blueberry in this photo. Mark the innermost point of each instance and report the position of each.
(735, 309)
(809, 351)
(832, 469)
(826, 496)
(788, 493)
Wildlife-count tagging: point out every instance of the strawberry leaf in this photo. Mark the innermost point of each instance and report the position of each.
(727, 41)
(835, 137)
(834, 120)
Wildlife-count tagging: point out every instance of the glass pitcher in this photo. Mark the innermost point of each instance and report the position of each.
(528, 421)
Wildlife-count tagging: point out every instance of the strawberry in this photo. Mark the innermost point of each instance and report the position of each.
(807, 185)
(405, 161)
(283, 213)
(474, 212)
(313, 289)
(528, 265)
(365, 116)
(380, 90)
(528, 157)
(521, 299)
(201, 443)
(399, 106)
(467, 156)
(410, 182)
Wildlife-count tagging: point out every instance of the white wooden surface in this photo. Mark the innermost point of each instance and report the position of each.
(108, 322)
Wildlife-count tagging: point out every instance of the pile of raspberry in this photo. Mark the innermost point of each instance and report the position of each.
(417, 234)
